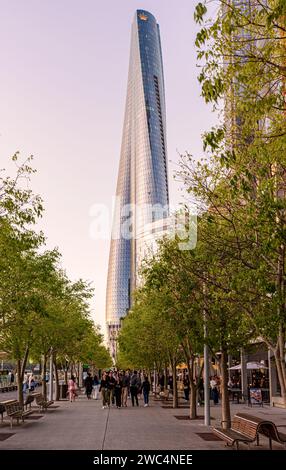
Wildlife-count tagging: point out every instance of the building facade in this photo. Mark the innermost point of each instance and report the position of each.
(142, 188)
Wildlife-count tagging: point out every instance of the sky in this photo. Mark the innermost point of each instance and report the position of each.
(62, 91)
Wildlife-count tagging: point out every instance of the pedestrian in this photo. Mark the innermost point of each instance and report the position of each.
(214, 390)
(135, 384)
(118, 390)
(186, 383)
(161, 382)
(146, 390)
(88, 385)
(31, 383)
(111, 386)
(95, 387)
(125, 387)
(170, 384)
(201, 392)
(105, 391)
(72, 388)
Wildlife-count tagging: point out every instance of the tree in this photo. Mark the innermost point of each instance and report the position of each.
(41, 310)
(242, 183)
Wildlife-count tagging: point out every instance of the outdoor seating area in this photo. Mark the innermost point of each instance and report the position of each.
(13, 410)
(246, 429)
(6, 386)
(41, 402)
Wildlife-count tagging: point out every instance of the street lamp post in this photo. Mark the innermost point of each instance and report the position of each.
(51, 389)
(206, 368)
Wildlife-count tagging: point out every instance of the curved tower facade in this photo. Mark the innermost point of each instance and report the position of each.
(142, 187)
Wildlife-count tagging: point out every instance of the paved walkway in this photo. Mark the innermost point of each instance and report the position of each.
(85, 425)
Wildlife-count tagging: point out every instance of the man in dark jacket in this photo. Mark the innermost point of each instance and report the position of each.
(146, 390)
(135, 385)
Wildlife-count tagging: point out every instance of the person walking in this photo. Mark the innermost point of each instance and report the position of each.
(201, 392)
(111, 386)
(135, 384)
(186, 384)
(146, 390)
(31, 383)
(25, 383)
(118, 390)
(170, 384)
(88, 385)
(125, 387)
(95, 387)
(105, 391)
(214, 390)
(72, 388)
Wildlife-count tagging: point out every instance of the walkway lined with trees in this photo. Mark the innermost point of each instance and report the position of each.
(234, 281)
(42, 312)
(84, 425)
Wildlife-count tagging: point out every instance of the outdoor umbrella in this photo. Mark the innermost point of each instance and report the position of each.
(250, 366)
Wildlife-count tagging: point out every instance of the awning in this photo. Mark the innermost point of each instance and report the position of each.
(250, 366)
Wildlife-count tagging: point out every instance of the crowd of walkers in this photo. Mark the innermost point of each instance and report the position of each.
(116, 387)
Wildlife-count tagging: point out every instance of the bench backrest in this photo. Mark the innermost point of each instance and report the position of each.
(244, 427)
(13, 407)
(29, 399)
(270, 430)
(39, 399)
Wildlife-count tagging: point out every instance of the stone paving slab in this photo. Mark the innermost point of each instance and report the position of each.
(85, 425)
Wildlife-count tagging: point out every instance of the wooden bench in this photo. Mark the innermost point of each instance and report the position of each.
(270, 430)
(241, 430)
(42, 403)
(2, 409)
(28, 402)
(3, 405)
(16, 411)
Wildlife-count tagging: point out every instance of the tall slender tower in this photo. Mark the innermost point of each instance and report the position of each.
(142, 187)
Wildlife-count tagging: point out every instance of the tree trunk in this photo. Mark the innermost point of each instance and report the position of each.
(44, 383)
(193, 388)
(193, 401)
(175, 388)
(279, 366)
(19, 383)
(166, 377)
(21, 366)
(190, 361)
(57, 397)
(281, 342)
(225, 406)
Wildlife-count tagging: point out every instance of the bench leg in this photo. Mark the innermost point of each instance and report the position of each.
(270, 443)
(257, 439)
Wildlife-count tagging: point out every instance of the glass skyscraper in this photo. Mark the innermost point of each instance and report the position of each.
(142, 187)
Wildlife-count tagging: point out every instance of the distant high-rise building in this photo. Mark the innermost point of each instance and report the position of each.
(142, 186)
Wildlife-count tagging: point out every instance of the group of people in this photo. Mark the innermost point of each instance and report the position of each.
(214, 389)
(116, 387)
(29, 383)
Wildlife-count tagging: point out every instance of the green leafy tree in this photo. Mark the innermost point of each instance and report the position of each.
(242, 182)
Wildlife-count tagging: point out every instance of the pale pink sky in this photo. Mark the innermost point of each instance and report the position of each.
(62, 92)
